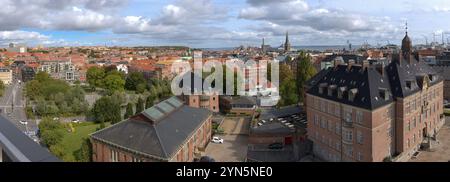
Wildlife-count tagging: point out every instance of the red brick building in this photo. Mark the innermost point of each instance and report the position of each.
(167, 132)
(373, 113)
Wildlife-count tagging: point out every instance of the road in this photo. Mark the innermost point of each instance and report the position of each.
(12, 106)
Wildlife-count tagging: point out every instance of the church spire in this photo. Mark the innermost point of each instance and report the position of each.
(287, 44)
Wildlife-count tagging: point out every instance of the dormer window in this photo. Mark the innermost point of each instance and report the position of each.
(331, 90)
(384, 94)
(322, 87)
(431, 77)
(410, 84)
(352, 94)
(341, 92)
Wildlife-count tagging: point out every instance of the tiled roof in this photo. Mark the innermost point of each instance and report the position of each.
(159, 131)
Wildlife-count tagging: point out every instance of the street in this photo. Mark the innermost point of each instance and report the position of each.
(12, 106)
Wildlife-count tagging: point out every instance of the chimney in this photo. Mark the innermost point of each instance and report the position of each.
(380, 68)
(350, 64)
(365, 65)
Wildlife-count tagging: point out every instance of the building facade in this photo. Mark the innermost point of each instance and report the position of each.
(373, 113)
(6, 76)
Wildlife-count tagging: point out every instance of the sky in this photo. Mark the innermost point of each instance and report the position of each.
(220, 23)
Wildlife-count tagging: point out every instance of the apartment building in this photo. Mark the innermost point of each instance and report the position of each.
(6, 76)
(167, 132)
(373, 113)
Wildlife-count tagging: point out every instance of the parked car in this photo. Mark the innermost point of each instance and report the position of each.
(217, 140)
(276, 146)
(23, 122)
(75, 121)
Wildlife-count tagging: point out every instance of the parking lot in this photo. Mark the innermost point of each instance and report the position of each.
(234, 147)
(440, 152)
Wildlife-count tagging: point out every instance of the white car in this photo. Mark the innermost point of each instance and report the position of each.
(23, 122)
(75, 121)
(217, 140)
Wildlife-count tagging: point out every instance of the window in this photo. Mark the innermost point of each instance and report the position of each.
(348, 115)
(359, 117)
(414, 122)
(337, 110)
(390, 131)
(316, 103)
(134, 159)
(330, 126)
(348, 135)
(338, 146)
(349, 151)
(360, 156)
(407, 143)
(324, 140)
(323, 106)
(414, 138)
(316, 120)
(330, 142)
(408, 126)
(114, 156)
(407, 108)
(323, 123)
(185, 153)
(317, 136)
(359, 137)
(338, 129)
(413, 103)
(330, 108)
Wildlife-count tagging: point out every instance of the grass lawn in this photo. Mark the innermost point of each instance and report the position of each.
(72, 140)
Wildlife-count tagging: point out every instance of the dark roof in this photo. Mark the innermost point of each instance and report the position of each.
(272, 128)
(19, 147)
(240, 100)
(368, 83)
(285, 155)
(345, 57)
(373, 81)
(401, 72)
(278, 113)
(161, 136)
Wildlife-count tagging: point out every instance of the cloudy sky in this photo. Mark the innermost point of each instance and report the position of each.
(219, 23)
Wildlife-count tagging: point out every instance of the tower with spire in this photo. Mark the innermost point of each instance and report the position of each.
(287, 44)
(406, 46)
(263, 46)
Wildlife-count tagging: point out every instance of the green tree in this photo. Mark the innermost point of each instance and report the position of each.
(113, 83)
(106, 109)
(57, 150)
(2, 88)
(95, 76)
(305, 71)
(129, 112)
(50, 132)
(149, 101)
(139, 106)
(135, 81)
(288, 86)
(84, 154)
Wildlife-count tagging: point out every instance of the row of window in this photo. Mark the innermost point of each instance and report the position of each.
(115, 157)
(325, 124)
(331, 156)
(417, 102)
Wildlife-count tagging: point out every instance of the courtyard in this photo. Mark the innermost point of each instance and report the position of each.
(441, 151)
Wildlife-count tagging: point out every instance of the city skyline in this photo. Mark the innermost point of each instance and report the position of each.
(219, 23)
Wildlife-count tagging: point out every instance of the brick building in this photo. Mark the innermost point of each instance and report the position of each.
(167, 132)
(374, 112)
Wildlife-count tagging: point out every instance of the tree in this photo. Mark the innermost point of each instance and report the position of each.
(106, 109)
(84, 154)
(149, 102)
(2, 88)
(95, 76)
(305, 71)
(50, 132)
(135, 81)
(129, 112)
(288, 86)
(139, 105)
(114, 83)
